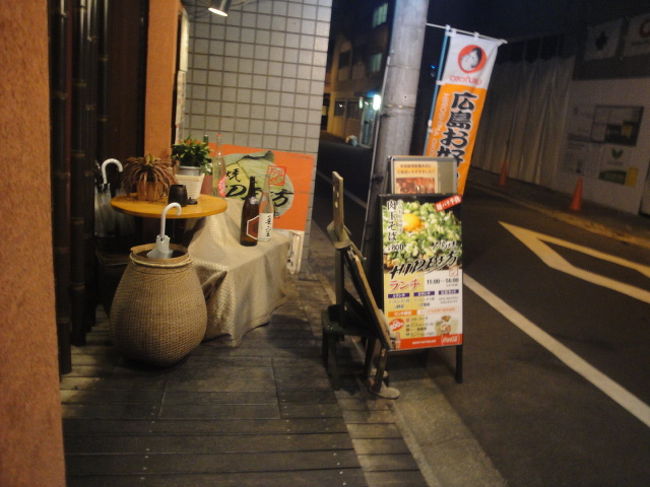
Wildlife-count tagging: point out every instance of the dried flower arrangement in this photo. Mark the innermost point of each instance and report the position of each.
(149, 176)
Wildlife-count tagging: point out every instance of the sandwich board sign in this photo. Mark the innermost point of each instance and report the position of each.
(422, 269)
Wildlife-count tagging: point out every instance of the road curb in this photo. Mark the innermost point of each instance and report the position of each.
(446, 451)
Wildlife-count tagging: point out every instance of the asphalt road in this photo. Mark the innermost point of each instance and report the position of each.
(540, 422)
(538, 413)
(353, 164)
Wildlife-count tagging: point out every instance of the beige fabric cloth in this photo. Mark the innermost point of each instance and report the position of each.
(242, 285)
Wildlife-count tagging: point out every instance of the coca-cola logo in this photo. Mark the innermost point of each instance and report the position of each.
(471, 58)
(396, 324)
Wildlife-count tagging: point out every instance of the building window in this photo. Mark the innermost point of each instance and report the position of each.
(353, 109)
(379, 15)
(339, 108)
(375, 63)
(344, 59)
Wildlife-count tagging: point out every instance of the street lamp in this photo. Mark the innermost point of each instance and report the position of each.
(220, 7)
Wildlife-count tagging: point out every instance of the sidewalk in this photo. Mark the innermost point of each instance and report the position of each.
(633, 229)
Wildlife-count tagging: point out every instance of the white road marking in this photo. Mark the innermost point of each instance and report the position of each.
(535, 242)
(622, 396)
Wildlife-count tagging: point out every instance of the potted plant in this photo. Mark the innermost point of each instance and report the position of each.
(149, 176)
(194, 162)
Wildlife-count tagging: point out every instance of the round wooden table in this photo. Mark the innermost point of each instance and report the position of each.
(182, 231)
(207, 205)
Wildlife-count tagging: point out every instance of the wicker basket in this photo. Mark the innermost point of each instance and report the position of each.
(158, 314)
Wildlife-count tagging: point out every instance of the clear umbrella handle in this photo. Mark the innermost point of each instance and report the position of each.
(163, 216)
(106, 163)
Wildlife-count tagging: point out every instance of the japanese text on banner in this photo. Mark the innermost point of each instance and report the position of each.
(460, 101)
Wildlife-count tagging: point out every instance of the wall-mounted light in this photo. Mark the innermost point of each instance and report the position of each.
(220, 7)
(376, 102)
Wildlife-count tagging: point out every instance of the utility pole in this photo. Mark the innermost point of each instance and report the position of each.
(398, 109)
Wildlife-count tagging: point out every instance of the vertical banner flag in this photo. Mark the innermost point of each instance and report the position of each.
(463, 87)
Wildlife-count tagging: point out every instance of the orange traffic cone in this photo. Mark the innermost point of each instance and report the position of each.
(503, 177)
(576, 200)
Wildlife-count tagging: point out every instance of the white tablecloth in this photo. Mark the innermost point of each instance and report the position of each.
(242, 285)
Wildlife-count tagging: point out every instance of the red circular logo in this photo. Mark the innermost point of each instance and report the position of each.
(644, 28)
(396, 324)
(471, 58)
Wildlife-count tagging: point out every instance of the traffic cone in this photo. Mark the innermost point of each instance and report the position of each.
(576, 200)
(503, 177)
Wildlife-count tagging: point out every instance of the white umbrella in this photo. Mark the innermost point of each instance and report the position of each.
(104, 215)
(161, 250)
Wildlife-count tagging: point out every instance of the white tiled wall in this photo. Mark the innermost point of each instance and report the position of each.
(257, 76)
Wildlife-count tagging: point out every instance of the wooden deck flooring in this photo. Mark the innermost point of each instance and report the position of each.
(262, 414)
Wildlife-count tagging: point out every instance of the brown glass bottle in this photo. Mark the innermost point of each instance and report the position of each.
(250, 216)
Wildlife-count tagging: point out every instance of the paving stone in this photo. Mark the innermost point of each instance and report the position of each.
(110, 427)
(396, 479)
(373, 430)
(73, 396)
(347, 477)
(221, 379)
(391, 462)
(378, 446)
(207, 444)
(97, 464)
(183, 398)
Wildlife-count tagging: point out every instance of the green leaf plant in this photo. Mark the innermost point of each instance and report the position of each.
(190, 152)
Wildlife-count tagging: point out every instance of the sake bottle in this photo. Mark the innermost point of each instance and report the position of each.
(250, 216)
(266, 213)
(219, 176)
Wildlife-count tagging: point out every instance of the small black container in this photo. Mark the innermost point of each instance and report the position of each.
(177, 194)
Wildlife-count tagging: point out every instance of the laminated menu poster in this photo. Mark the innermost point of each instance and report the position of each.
(422, 269)
(421, 174)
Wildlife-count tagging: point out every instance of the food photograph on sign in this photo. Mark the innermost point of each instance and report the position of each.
(422, 174)
(422, 269)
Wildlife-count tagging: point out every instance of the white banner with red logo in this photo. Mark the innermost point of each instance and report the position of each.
(463, 87)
